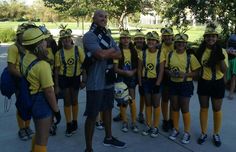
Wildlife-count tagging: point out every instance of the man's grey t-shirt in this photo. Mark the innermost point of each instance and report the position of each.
(96, 72)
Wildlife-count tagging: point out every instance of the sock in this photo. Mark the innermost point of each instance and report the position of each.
(156, 116)
(141, 104)
(32, 142)
(123, 113)
(186, 119)
(164, 109)
(175, 115)
(148, 115)
(75, 110)
(39, 148)
(67, 110)
(27, 123)
(133, 111)
(20, 121)
(217, 121)
(203, 119)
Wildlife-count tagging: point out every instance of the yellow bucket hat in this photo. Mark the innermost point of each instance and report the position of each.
(167, 31)
(65, 33)
(139, 33)
(181, 38)
(153, 36)
(125, 33)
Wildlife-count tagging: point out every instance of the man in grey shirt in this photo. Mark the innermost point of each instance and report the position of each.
(100, 49)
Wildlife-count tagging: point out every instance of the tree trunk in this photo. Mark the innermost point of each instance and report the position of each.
(121, 21)
(77, 22)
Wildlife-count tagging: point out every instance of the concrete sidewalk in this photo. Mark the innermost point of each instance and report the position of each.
(10, 142)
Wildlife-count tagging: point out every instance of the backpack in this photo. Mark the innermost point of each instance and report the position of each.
(24, 102)
(7, 84)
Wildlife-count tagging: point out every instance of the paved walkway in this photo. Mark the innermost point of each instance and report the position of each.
(9, 141)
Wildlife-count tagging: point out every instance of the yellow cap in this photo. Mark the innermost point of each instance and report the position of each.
(167, 31)
(65, 33)
(33, 35)
(211, 29)
(153, 36)
(181, 38)
(139, 33)
(125, 33)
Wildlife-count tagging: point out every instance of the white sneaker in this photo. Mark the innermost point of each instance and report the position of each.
(186, 138)
(174, 134)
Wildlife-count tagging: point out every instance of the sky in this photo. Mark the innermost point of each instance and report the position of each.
(28, 2)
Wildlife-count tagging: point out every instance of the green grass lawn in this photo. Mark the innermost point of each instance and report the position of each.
(195, 33)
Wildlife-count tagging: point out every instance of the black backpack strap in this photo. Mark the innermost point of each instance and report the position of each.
(63, 61)
(158, 61)
(187, 64)
(169, 56)
(144, 63)
(76, 59)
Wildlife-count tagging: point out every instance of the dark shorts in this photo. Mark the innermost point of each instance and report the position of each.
(183, 89)
(69, 82)
(41, 108)
(98, 101)
(148, 85)
(211, 88)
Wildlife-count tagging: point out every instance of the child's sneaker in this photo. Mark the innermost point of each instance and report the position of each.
(155, 132)
(147, 131)
(22, 134)
(125, 127)
(174, 134)
(74, 126)
(134, 128)
(216, 140)
(202, 139)
(186, 138)
(99, 125)
(114, 142)
(165, 125)
(140, 118)
(29, 132)
(69, 130)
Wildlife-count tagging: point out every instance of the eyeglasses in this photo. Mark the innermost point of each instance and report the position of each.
(66, 32)
(181, 37)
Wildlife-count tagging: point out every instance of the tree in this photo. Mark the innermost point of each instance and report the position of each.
(120, 9)
(219, 11)
(71, 8)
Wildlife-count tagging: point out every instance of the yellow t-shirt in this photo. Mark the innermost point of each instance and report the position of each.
(139, 52)
(151, 62)
(14, 56)
(70, 61)
(165, 49)
(127, 58)
(40, 75)
(51, 57)
(179, 63)
(206, 71)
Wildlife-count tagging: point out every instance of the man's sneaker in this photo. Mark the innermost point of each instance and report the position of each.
(202, 139)
(124, 127)
(216, 140)
(117, 118)
(74, 126)
(186, 138)
(165, 125)
(155, 132)
(134, 128)
(29, 132)
(68, 130)
(147, 131)
(140, 118)
(174, 134)
(114, 142)
(99, 125)
(53, 130)
(22, 134)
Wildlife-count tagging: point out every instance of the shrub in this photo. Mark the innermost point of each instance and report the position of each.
(7, 35)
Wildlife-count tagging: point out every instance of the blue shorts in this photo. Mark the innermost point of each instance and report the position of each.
(131, 82)
(41, 108)
(211, 88)
(98, 100)
(183, 89)
(69, 82)
(149, 84)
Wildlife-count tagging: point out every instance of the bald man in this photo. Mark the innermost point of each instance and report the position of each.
(100, 49)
